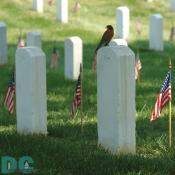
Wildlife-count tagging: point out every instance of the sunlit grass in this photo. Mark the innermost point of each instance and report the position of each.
(66, 151)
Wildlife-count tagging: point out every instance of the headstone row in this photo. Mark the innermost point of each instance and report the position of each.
(61, 9)
(155, 28)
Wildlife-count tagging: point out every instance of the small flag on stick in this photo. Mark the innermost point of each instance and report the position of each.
(54, 59)
(50, 2)
(77, 96)
(94, 63)
(138, 26)
(163, 98)
(138, 66)
(20, 41)
(9, 100)
(172, 33)
(76, 7)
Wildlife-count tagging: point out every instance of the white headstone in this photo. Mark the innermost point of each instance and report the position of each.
(172, 5)
(62, 10)
(119, 42)
(38, 5)
(34, 39)
(122, 22)
(3, 43)
(31, 91)
(73, 57)
(156, 32)
(116, 99)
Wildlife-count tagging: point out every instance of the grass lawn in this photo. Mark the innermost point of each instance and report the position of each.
(65, 151)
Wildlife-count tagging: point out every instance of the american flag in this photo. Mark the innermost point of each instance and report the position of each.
(76, 7)
(50, 2)
(20, 42)
(163, 98)
(138, 26)
(54, 59)
(9, 100)
(172, 33)
(77, 96)
(138, 66)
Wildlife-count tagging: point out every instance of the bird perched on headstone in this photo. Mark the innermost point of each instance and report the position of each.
(106, 38)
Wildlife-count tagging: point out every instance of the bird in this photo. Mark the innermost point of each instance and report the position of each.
(106, 38)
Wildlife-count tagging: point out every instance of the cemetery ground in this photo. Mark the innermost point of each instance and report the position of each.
(65, 150)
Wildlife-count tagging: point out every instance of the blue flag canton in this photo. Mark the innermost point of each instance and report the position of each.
(11, 81)
(166, 83)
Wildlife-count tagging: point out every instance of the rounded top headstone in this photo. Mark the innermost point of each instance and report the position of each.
(74, 39)
(120, 42)
(157, 15)
(35, 33)
(117, 50)
(31, 51)
(123, 8)
(2, 24)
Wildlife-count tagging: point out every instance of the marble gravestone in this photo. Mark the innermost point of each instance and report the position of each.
(73, 57)
(172, 5)
(38, 5)
(122, 22)
(119, 42)
(34, 39)
(62, 10)
(31, 91)
(3, 43)
(116, 99)
(156, 32)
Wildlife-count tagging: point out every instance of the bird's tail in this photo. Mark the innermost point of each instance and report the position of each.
(94, 62)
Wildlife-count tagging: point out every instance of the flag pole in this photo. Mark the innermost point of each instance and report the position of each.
(81, 107)
(170, 116)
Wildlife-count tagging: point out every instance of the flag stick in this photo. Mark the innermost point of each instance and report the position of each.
(81, 107)
(170, 116)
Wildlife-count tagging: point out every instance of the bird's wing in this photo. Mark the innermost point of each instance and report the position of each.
(105, 39)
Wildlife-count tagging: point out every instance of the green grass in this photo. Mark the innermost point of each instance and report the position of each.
(65, 151)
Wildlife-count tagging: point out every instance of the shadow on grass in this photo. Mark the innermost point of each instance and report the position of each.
(65, 150)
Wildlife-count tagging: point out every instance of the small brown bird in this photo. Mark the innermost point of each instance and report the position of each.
(106, 38)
